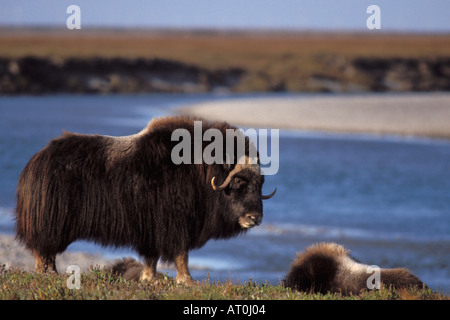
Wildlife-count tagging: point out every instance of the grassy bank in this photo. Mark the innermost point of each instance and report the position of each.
(275, 52)
(101, 285)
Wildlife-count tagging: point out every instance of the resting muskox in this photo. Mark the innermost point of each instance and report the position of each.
(127, 192)
(328, 267)
(128, 269)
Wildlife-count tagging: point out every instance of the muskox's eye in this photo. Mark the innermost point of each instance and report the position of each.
(238, 182)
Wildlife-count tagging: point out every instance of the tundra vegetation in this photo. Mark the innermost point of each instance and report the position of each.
(100, 284)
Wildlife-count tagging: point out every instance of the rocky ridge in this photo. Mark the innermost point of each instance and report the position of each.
(34, 75)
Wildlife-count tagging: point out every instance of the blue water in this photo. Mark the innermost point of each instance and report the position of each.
(386, 198)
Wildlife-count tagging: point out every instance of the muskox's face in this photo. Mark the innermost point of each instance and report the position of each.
(242, 195)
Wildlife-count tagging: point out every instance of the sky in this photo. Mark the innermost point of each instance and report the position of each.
(335, 15)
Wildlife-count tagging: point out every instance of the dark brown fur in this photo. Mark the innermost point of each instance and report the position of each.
(128, 268)
(127, 192)
(328, 267)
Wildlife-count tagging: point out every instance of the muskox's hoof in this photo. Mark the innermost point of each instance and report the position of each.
(185, 279)
(154, 278)
(148, 277)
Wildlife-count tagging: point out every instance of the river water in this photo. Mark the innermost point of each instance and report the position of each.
(386, 198)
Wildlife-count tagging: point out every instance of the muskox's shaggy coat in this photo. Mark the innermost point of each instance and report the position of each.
(127, 268)
(127, 192)
(328, 267)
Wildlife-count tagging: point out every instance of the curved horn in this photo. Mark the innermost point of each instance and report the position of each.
(223, 185)
(270, 195)
(227, 181)
(217, 188)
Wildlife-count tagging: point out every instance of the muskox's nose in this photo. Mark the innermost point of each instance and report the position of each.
(250, 220)
(255, 218)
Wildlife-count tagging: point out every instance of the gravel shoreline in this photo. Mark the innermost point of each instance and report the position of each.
(415, 114)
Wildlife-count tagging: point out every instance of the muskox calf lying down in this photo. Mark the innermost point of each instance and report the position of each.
(127, 268)
(328, 267)
(128, 192)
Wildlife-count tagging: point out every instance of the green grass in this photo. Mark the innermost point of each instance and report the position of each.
(99, 284)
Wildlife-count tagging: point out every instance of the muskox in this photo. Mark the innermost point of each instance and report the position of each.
(128, 269)
(328, 267)
(127, 192)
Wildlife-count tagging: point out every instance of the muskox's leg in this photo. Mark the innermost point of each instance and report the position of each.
(44, 263)
(149, 271)
(183, 275)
